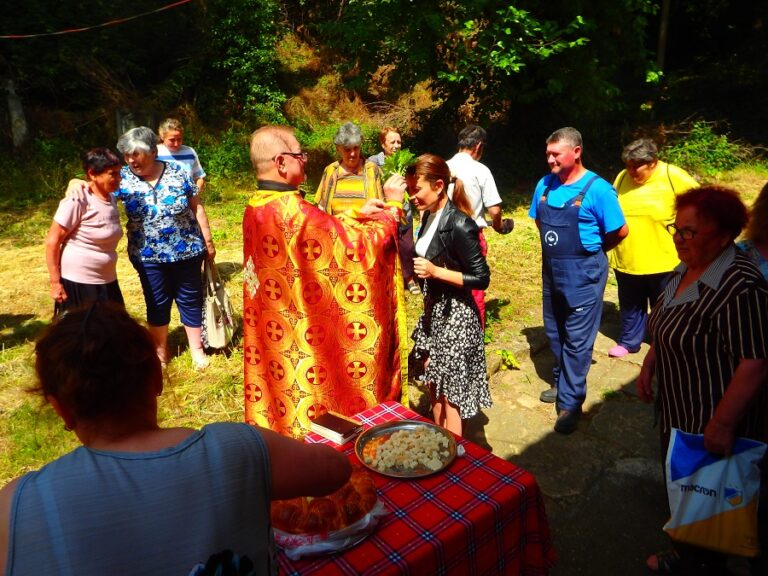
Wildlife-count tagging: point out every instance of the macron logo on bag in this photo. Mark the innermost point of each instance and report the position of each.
(703, 490)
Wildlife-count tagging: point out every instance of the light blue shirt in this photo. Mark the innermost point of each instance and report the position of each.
(600, 211)
(95, 512)
(185, 156)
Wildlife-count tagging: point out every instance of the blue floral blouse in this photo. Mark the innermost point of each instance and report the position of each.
(748, 247)
(161, 225)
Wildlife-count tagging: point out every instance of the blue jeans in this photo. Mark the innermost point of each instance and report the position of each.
(637, 293)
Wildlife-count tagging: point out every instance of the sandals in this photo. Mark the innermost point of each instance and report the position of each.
(665, 562)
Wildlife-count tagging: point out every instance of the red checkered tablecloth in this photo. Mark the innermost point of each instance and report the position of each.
(482, 515)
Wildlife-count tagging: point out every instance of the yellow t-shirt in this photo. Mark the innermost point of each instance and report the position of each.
(648, 208)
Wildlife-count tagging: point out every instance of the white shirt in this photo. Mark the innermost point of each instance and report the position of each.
(478, 184)
(432, 224)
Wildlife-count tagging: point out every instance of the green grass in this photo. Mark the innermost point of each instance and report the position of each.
(35, 436)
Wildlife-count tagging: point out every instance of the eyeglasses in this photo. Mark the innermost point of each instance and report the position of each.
(684, 233)
(298, 155)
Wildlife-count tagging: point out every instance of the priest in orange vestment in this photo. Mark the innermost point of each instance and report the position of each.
(320, 314)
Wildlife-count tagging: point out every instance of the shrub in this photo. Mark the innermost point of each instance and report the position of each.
(699, 149)
(225, 156)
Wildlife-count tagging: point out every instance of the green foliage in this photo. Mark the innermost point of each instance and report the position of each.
(317, 141)
(36, 178)
(397, 163)
(488, 334)
(226, 156)
(508, 360)
(702, 151)
(482, 57)
(241, 38)
(486, 52)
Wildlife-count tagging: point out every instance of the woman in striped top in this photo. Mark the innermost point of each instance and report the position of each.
(349, 182)
(710, 343)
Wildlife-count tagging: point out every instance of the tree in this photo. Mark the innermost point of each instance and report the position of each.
(239, 56)
(484, 56)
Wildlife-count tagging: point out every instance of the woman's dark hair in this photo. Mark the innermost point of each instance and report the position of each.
(98, 160)
(98, 362)
(719, 204)
(434, 168)
(471, 136)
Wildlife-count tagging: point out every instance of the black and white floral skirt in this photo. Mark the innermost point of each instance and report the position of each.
(450, 335)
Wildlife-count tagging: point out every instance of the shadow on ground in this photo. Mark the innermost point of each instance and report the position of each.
(603, 484)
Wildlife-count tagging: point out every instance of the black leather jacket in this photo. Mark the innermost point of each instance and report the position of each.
(456, 246)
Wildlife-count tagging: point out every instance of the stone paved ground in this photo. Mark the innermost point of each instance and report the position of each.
(602, 485)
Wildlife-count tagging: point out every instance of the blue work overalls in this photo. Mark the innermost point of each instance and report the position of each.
(573, 281)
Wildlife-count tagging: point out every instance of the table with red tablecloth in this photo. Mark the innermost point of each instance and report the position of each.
(481, 515)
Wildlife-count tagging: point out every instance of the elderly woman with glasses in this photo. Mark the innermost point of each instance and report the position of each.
(349, 182)
(709, 348)
(642, 262)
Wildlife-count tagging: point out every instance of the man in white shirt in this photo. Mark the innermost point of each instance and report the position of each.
(481, 190)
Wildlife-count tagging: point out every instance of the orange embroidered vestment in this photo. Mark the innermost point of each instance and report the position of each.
(320, 314)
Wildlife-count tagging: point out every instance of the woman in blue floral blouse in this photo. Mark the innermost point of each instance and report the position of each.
(168, 237)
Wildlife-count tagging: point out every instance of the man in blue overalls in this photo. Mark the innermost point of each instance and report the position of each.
(579, 219)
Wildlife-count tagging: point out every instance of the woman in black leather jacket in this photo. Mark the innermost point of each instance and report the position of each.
(449, 264)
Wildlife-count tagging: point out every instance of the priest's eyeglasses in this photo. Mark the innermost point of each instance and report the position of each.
(298, 155)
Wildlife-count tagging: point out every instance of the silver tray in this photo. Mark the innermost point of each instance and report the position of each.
(387, 429)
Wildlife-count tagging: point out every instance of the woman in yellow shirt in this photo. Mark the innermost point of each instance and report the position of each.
(643, 261)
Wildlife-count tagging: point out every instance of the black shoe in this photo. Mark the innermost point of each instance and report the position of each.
(567, 422)
(549, 396)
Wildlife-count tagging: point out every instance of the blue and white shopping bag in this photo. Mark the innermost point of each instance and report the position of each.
(713, 499)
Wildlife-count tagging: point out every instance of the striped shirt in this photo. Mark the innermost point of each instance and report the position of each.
(701, 335)
(340, 191)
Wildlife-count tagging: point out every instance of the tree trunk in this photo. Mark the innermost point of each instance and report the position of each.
(661, 50)
(16, 114)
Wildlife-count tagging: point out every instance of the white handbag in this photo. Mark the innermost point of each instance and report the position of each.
(218, 326)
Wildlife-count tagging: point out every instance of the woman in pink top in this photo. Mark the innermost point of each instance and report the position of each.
(80, 248)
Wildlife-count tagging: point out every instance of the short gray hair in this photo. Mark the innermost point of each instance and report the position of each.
(642, 150)
(348, 134)
(569, 135)
(141, 139)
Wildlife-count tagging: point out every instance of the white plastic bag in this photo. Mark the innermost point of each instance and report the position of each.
(712, 499)
(297, 546)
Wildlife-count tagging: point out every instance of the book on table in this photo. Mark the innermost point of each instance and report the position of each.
(335, 427)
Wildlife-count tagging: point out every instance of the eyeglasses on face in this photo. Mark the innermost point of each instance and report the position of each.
(684, 233)
(298, 155)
